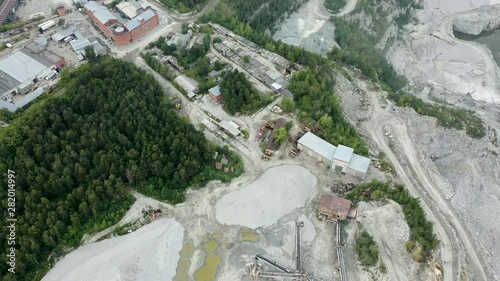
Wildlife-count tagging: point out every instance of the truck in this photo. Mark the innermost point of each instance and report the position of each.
(46, 25)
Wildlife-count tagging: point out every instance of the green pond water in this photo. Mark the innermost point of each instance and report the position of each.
(490, 39)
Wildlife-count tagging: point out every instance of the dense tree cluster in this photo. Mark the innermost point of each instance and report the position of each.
(184, 6)
(76, 155)
(422, 239)
(321, 109)
(194, 60)
(366, 249)
(334, 6)
(357, 50)
(447, 116)
(240, 96)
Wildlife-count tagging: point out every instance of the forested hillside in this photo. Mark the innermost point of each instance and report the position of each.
(75, 156)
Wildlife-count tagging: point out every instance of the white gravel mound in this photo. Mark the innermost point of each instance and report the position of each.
(150, 253)
(276, 193)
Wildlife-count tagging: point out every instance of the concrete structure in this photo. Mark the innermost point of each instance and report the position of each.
(215, 94)
(8, 10)
(188, 84)
(271, 144)
(20, 70)
(341, 158)
(333, 208)
(226, 126)
(122, 34)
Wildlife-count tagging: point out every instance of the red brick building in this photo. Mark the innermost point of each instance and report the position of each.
(215, 94)
(122, 34)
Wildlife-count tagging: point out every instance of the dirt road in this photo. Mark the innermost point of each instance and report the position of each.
(423, 182)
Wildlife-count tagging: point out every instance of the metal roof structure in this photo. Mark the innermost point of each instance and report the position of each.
(187, 83)
(318, 145)
(6, 8)
(63, 33)
(135, 22)
(229, 128)
(101, 13)
(215, 91)
(9, 106)
(42, 41)
(7, 82)
(132, 24)
(30, 97)
(21, 66)
(276, 86)
(273, 74)
(343, 153)
(79, 44)
(128, 9)
(359, 163)
(148, 14)
(99, 49)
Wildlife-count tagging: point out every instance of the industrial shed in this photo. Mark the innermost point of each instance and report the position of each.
(316, 147)
(19, 70)
(341, 158)
(188, 84)
(226, 126)
(333, 207)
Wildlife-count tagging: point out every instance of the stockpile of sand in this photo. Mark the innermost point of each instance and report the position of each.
(276, 193)
(150, 253)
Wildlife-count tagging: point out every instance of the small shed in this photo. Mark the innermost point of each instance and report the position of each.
(333, 207)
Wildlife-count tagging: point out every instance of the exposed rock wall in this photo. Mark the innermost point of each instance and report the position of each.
(474, 22)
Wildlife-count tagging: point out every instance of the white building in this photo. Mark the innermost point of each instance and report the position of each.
(341, 158)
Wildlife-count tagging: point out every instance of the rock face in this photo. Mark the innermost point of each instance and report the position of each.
(485, 18)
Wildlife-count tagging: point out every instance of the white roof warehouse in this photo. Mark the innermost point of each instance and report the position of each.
(340, 158)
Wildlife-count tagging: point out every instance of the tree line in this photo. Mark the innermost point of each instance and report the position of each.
(76, 155)
(184, 6)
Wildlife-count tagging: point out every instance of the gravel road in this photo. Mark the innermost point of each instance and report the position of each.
(421, 182)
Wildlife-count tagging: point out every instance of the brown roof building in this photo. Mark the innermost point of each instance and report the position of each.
(271, 145)
(61, 11)
(333, 207)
